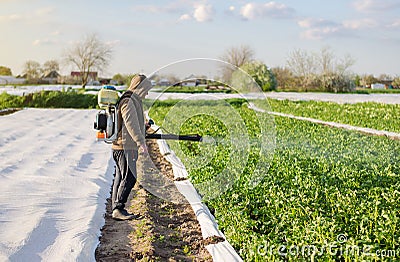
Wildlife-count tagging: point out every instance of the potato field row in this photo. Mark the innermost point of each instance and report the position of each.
(305, 192)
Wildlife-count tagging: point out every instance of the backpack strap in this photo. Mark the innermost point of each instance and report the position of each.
(126, 94)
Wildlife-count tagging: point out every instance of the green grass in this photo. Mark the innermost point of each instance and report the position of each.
(376, 91)
(49, 99)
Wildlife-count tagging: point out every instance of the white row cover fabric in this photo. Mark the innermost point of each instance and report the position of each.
(223, 251)
(164, 148)
(54, 181)
(177, 166)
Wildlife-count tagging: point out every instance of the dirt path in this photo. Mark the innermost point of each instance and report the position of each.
(164, 232)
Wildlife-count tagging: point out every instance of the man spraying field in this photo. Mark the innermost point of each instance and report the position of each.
(130, 139)
(121, 122)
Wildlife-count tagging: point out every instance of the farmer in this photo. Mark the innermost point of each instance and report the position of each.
(130, 140)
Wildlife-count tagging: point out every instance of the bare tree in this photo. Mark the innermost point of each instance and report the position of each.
(51, 65)
(90, 54)
(344, 64)
(385, 77)
(236, 56)
(326, 61)
(303, 65)
(32, 69)
(320, 69)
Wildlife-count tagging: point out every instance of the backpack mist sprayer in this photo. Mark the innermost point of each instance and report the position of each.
(107, 118)
(106, 122)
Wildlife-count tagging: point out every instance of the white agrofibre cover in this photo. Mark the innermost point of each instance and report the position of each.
(54, 181)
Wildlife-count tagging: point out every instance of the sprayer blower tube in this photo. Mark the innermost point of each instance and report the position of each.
(195, 137)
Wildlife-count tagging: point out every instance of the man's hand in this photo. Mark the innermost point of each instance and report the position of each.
(149, 123)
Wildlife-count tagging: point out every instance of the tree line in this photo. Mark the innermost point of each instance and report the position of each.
(304, 71)
(90, 54)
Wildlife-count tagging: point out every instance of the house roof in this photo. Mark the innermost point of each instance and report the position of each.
(77, 73)
(191, 77)
(51, 74)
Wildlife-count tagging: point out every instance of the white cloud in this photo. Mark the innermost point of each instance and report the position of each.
(45, 41)
(200, 12)
(33, 16)
(395, 23)
(305, 23)
(372, 6)
(360, 23)
(203, 13)
(320, 33)
(154, 9)
(113, 43)
(321, 28)
(312, 22)
(12, 17)
(185, 17)
(249, 11)
(230, 11)
(252, 11)
(364, 5)
(44, 11)
(172, 7)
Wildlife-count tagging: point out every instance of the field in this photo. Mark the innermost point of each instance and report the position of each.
(55, 179)
(322, 193)
(281, 189)
(372, 115)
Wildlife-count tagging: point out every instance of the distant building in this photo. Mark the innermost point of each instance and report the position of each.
(92, 76)
(192, 81)
(51, 77)
(378, 86)
(10, 80)
(108, 81)
(387, 83)
(164, 82)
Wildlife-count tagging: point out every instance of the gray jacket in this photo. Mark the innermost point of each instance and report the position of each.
(131, 123)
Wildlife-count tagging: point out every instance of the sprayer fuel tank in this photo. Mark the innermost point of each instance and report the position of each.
(107, 96)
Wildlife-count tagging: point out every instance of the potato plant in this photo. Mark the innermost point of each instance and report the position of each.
(372, 115)
(326, 194)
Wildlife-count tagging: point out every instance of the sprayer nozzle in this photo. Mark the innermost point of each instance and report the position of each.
(208, 140)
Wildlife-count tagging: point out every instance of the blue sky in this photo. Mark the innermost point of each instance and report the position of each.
(147, 35)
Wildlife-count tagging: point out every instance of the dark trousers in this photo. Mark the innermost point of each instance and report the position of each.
(124, 176)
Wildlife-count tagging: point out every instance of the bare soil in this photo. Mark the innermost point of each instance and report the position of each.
(164, 231)
(8, 111)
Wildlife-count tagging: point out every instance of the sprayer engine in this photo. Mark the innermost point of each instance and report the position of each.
(107, 119)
